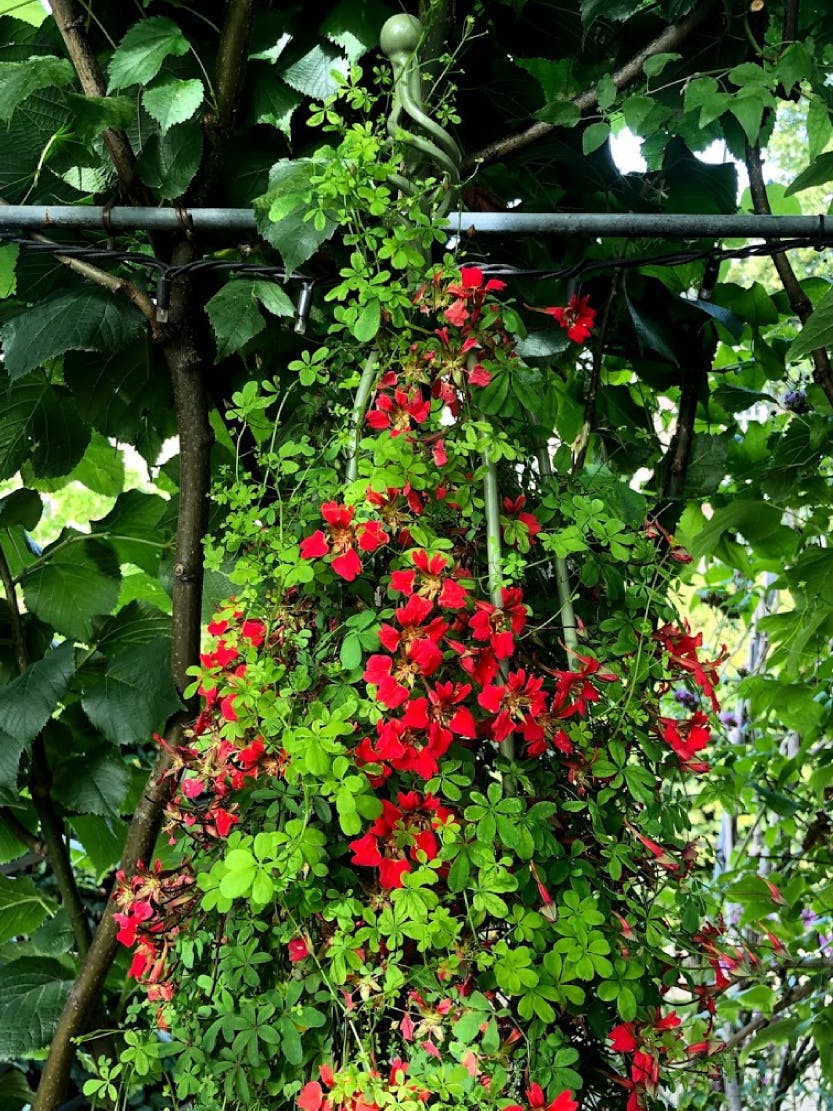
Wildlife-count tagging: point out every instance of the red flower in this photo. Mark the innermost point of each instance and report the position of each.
(576, 319)
(622, 1038)
(344, 535)
(499, 626)
(681, 648)
(395, 839)
(515, 705)
(687, 738)
(298, 949)
(398, 411)
(513, 509)
(432, 582)
(536, 1099)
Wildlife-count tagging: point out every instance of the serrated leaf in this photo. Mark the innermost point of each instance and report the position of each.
(653, 66)
(135, 530)
(27, 703)
(817, 330)
(235, 316)
(312, 74)
(140, 54)
(97, 784)
(29, 11)
(78, 579)
(22, 907)
(87, 319)
(103, 840)
(134, 695)
(33, 991)
(274, 102)
(94, 114)
(102, 468)
(280, 212)
(273, 298)
(168, 162)
(18, 80)
(355, 27)
(171, 101)
(649, 332)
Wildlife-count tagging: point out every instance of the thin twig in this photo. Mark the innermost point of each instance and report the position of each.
(667, 41)
(799, 301)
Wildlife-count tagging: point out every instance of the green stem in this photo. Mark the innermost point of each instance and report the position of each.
(562, 575)
(491, 498)
(366, 384)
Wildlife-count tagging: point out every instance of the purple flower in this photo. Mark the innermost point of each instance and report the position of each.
(686, 698)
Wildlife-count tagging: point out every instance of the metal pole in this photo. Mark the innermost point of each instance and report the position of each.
(21, 218)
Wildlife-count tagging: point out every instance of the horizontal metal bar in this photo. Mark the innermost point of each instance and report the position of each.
(596, 224)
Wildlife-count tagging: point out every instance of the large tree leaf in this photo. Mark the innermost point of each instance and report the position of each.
(96, 784)
(102, 468)
(280, 212)
(18, 80)
(817, 331)
(134, 694)
(137, 623)
(169, 162)
(77, 578)
(30, 11)
(172, 101)
(273, 102)
(133, 529)
(22, 907)
(87, 319)
(33, 991)
(40, 422)
(94, 114)
(234, 313)
(312, 74)
(20, 507)
(140, 54)
(123, 396)
(355, 27)
(103, 840)
(27, 703)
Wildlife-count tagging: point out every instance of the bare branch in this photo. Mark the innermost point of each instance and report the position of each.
(799, 301)
(669, 40)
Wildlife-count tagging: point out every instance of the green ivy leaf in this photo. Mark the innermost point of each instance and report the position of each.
(235, 316)
(140, 54)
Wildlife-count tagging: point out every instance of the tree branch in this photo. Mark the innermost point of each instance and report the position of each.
(799, 301)
(40, 784)
(745, 1032)
(669, 40)
(70, 22)
(229, 74)
(182, 350)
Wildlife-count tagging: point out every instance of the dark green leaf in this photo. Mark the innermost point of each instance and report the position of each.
(22, 907)
(18, 80)
(27, 703)
(140, 54)
(102, 838)
(87, 319)
(817, 331)
(355, 27)
(650, 333)
(33, 991)
(134, 695)
(819, 172)
(97, 784)
(21, 507)
(168, 162)
(94, 114)
(77, 579)
(274, 102)
(280, 212)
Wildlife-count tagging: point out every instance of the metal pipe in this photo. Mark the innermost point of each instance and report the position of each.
(601, 224)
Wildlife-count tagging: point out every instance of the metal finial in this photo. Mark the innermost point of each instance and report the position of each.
(399, 39)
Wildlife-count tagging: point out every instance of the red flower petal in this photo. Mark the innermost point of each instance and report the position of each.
(348, 565)
(314, 546)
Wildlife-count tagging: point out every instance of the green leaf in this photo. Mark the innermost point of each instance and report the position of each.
(77, 579)
(312, 73)
(368, 322)
(14, 1090)
(274, 299)
(819, 127)
(101, 469)
(355, 27)
(140, 54)
(8, 269)
(653, 66)
(94, 114)
(87, 319)
(33, 991)
(171, 101)
(819, 172)
(97, 784)
(18, 80)
(606, 92)
(235, 316)
(817, 331)
(649, 332)
(594, 136)
(170, 160)
(134, 695)
(135, 530)
(280, 212)
(103, 840)
(758, 521)
(29, 11)
(22, 907)
(27, 703)
(20, 507)
(273, 102)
